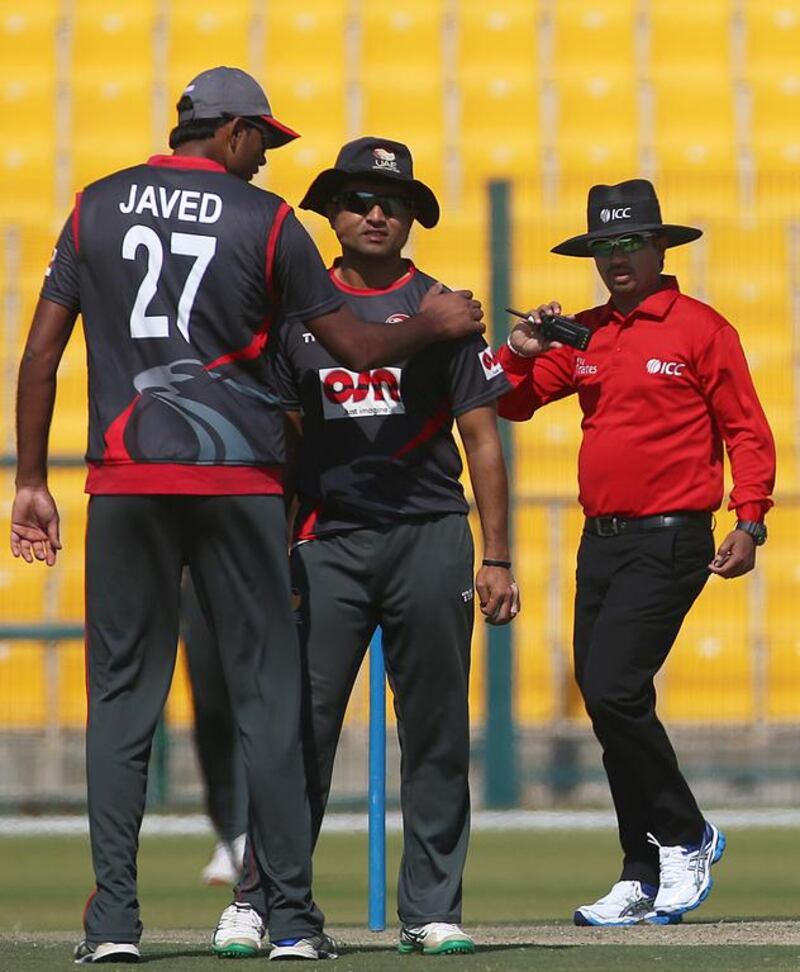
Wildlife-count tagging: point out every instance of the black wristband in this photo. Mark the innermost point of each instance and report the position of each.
(497, 563)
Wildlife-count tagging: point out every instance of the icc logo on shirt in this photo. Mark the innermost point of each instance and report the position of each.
(352, 394)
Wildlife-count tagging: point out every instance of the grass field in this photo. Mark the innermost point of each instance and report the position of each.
(520, 889)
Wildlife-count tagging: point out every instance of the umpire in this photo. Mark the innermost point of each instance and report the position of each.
(662, 386)
(182, 271)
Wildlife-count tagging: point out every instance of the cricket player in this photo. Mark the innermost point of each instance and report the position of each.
(183, 273)
(381, 537)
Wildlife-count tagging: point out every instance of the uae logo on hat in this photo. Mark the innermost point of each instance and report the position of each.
(384, 159)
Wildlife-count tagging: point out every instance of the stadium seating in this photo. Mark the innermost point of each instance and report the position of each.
(772, 35)
(553, 96)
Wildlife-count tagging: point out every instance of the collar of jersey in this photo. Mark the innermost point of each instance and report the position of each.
(185, 162)
(368, 291)
(656, 306)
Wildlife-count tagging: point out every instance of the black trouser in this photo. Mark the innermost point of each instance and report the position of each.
(415, 580)
(215, 731)
(136, 547)
(633, 592)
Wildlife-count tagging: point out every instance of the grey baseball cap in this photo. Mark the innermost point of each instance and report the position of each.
(222, 91)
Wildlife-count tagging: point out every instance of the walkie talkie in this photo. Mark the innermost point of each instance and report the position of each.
(554, 327)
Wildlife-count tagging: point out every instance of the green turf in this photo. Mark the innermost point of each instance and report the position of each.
(550, 958)
(514, 878)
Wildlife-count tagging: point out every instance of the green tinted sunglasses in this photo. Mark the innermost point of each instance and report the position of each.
(628, 244)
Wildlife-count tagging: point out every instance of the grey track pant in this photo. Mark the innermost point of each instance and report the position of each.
(136, 548)
(415, 580)
(215, 733)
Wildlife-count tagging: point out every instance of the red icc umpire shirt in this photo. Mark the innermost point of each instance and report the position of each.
(659, 390)
(183, 273)
(378, 446)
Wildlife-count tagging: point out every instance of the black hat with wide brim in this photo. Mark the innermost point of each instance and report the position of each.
(373, 158)
(629, 207)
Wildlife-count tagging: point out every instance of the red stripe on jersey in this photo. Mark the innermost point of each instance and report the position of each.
(76, 222)
(252, 350)
(272, 245)
(115, 436)
(306, 529)
(368, 291)
(179, 479)
(185, 162)
(428, 431)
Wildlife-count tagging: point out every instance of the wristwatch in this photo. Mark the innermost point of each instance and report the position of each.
(757, 531)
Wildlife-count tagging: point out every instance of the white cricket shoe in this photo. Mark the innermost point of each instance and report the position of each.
(435, 938)
(225, 866)
(105, 952)
(627, 903)
(239, 932)
(314, 947)
(685, 872)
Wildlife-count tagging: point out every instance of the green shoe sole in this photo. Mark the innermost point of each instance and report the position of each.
(448, 948)
(451, 948)
(234, 951)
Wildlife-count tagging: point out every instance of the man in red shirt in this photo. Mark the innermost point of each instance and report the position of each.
(662, 385)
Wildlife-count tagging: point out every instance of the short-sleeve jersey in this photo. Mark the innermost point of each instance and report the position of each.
(183, 273)
(378, 446)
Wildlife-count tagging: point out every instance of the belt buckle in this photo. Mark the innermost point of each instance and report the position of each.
(607, 526)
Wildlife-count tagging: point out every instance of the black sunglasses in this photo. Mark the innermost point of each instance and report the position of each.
(361, 202)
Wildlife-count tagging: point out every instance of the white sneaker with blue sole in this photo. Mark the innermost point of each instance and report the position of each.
(627, 903)
(685, 872)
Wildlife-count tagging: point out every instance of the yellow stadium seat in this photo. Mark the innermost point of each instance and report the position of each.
(589, 34)
(23, 689)
(27, 107)
(596, 137)
(27, 180)
(112, 125)
(460, 236)
(783, 671)
(180, 710)
(709, 676)
(111, 37)
(28, 37)
(777, 193)
(303, 37)
(773, 34)
(500, 34)
(290, 170)
(774, 129)
(407, 32)
(72, 685)
(202, 35)
(499, 130)
(690, 39)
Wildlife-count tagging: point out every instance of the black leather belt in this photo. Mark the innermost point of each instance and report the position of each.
(613, 526)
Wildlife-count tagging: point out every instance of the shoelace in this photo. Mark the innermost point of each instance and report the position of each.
(674, 862)
(234, 917)
(623, 892)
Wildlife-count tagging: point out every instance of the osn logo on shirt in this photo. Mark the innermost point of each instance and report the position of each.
(351, 394)
(657, 367)
(491, 366)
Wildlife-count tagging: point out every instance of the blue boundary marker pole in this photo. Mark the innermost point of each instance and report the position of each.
(377, 785)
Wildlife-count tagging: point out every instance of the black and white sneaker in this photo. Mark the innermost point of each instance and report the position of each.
(105, 952)
(314, 947)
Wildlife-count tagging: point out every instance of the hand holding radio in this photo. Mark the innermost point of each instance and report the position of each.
(546, 328)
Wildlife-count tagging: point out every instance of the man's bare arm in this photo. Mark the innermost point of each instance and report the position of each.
(497, 590)
(34, 517)
(359, 345)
